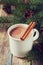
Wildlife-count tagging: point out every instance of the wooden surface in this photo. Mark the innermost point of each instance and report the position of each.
(4, 52)
(4, 48)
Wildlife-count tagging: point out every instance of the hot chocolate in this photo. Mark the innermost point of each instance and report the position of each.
(17, 32)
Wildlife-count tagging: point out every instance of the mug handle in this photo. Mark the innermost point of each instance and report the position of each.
(36, 35)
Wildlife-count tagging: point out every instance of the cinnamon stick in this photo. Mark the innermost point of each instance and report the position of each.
(28, 30)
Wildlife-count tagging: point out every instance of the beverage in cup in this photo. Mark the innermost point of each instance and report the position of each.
(18, 47)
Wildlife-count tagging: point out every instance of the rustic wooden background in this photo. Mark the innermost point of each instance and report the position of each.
(4, 47)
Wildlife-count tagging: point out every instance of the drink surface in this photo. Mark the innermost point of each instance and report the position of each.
(17, 32)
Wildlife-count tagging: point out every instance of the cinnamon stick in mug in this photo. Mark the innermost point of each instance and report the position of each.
(28, 30)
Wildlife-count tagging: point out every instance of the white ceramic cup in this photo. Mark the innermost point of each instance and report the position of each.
(18, 47)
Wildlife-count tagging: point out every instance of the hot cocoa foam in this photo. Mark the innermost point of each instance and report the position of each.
(17, 32)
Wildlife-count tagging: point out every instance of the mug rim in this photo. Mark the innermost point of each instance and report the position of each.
(13, 26)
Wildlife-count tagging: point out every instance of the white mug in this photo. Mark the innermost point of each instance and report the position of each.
(18, 47)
